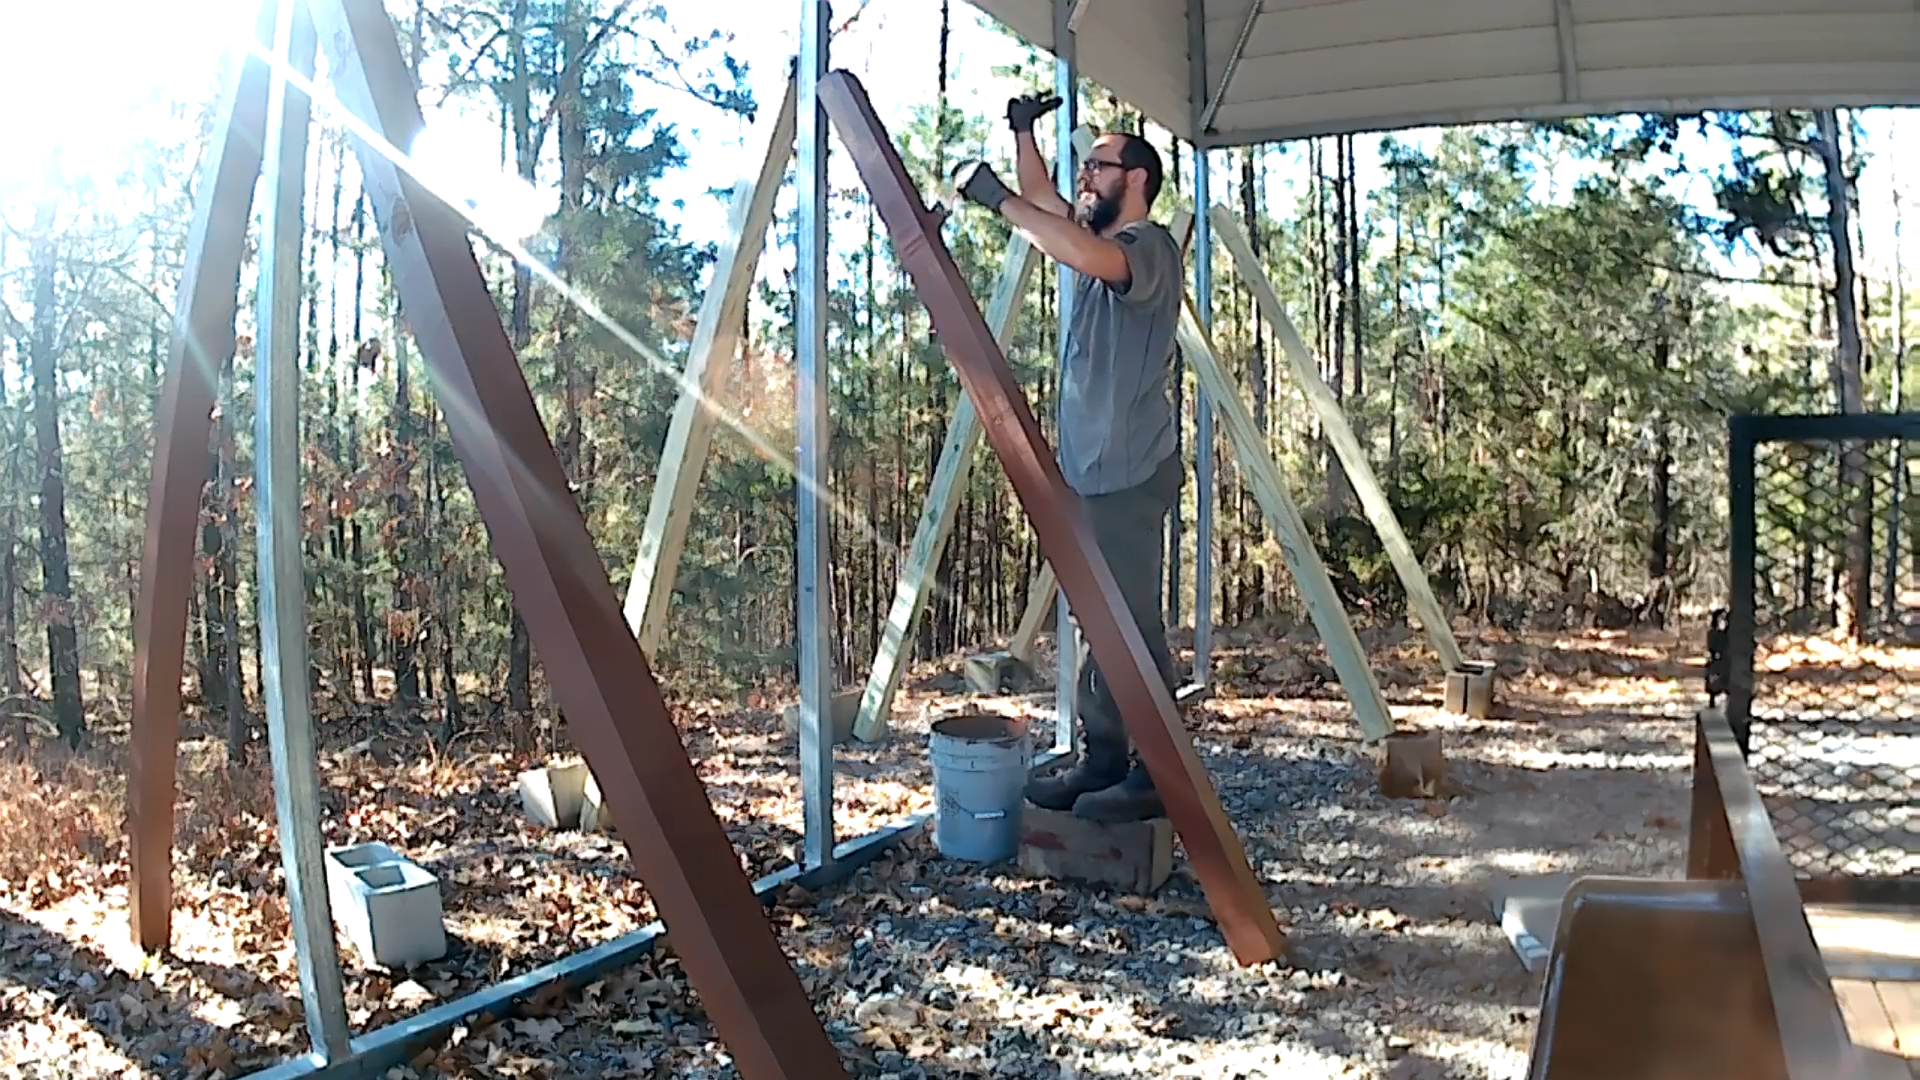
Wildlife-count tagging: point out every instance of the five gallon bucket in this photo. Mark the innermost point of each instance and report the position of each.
(980, 766)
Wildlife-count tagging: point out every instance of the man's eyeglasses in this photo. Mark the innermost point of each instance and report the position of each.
(1094, 163)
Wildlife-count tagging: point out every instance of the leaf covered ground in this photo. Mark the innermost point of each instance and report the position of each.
(921, 967)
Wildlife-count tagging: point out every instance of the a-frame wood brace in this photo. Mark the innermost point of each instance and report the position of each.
(601, 678)
(1219, 861)
(1333, 420)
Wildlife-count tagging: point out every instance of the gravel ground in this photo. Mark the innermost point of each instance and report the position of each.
(920, 966)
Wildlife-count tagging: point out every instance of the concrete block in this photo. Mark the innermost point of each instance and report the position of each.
(1470, 690)
(385, 905)
(593, 809)
(999, 672)
(551, 797)
(1528, 911)
(1134, 856)
(1413, 766)
(846, 709)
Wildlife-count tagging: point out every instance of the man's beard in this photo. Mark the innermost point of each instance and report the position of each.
(1103, 211)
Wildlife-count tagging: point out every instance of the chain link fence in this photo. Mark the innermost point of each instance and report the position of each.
(1823, 635)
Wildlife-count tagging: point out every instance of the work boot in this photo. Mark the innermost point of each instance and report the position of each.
(1058, 791)
(1132, 799)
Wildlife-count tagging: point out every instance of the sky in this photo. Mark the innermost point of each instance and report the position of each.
(105, 72)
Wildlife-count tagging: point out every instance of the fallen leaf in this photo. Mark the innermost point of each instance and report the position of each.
(539, 1029)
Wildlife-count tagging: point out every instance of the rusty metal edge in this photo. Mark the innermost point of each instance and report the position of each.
(1813, 1035)
(1219, 861)
(206, 305)
(600, 677)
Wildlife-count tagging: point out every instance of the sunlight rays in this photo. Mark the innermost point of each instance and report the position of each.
(499, 229)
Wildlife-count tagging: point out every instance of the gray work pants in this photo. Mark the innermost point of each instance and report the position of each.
(1130, 528)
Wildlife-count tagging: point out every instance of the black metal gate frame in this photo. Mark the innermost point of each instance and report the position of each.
(1745, 434)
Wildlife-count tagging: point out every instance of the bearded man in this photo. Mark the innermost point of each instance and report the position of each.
(1117, 449)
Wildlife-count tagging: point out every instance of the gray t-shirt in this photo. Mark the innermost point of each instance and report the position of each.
(1116, 423)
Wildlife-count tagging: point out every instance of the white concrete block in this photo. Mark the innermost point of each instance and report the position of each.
(344, 862)
(387, 906)
(552, 796)
(593, 809)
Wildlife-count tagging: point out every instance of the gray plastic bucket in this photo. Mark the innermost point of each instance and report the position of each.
(980, 766)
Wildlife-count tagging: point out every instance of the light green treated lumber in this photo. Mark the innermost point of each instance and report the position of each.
(716, 336)
(1296, 545)
(1426, 607)
(1039, 602)
(943, 502)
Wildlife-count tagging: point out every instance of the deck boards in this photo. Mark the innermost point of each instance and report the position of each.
(1869, 942)
(1884, 1019)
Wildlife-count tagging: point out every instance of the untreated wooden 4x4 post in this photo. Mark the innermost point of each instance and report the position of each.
(1152, 719)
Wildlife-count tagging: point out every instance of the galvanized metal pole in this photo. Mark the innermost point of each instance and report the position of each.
(1202, 428)
(810, 411)
(1066, 85)
(282, 579)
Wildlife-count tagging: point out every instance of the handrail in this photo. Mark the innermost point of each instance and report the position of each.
(1814, 1041)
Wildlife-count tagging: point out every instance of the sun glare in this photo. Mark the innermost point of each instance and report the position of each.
(84, 80)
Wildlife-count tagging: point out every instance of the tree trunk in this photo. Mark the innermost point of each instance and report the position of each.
(1356, 258)
(520, 104)
(404, 635)
(63, 643)
(1897, 402)
(1856, 589)
(363, 351)
(1336, 498)
(1660, 490)
(227, 579)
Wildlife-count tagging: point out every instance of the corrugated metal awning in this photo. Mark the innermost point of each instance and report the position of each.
(1281, 69)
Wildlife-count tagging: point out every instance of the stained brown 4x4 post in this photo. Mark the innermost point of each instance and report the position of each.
(614, 707)
(1219, 862)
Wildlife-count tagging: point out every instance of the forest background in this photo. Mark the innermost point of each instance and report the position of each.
(1538, 330)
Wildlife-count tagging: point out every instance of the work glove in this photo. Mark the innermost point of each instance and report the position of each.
(976, 181)
(1023, 111)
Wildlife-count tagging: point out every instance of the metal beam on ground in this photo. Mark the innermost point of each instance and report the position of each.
(382, 1049)
(1426, 607)
(281, 571)
(812, 501)
(1213, 850)
(202, 335)
(600, 678)
(950, 476)
(1296, 543)
(716, 337)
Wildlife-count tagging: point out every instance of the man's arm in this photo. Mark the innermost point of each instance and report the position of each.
(1036, 180)
(1066, 241)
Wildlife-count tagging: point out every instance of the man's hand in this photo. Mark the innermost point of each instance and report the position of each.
(1024, 111)
(976, 180)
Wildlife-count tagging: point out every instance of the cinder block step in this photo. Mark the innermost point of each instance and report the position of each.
(1413, 766)
(593, 808)
(385, 905)
(846, 709)
(1470, 690)
(552, 796)
(1000, 672)
(1134, 856)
